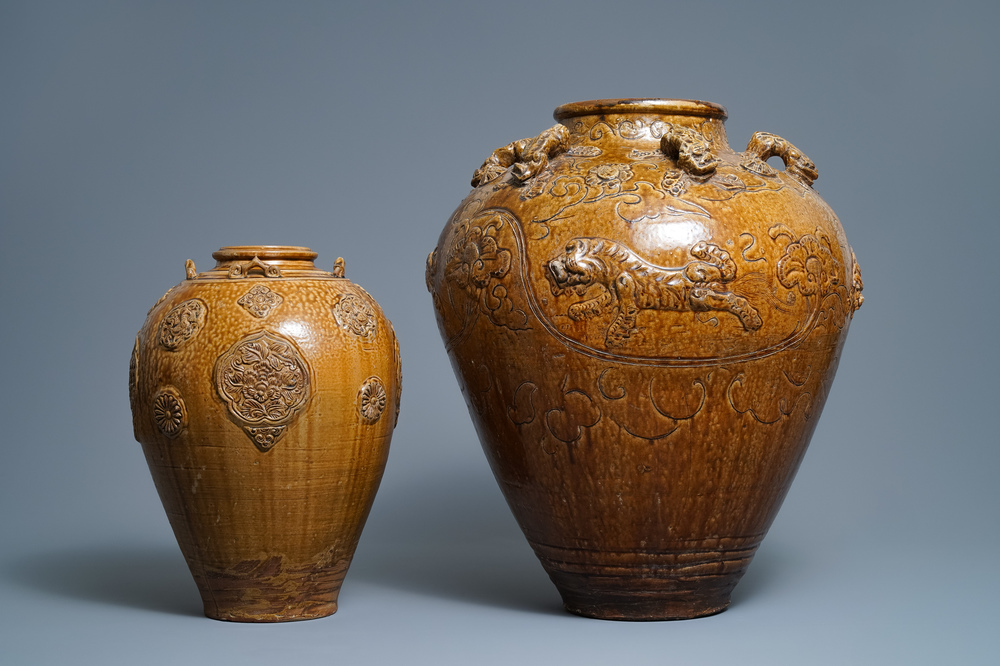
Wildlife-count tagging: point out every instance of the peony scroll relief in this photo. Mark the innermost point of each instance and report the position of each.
(264, 381)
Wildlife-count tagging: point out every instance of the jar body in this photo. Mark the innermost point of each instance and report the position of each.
(264, 394)
(645, 324)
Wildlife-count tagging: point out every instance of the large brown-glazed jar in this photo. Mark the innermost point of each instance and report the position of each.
(264, 393)
(645, 325)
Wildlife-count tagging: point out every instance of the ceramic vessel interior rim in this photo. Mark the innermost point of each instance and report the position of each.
(674, 107)
(264, 252)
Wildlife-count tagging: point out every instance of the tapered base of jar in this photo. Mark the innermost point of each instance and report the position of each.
(288, 614)
(268, 592)
(642, 585)
(639, 604)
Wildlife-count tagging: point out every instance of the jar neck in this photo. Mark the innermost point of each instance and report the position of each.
(641, 123)
(263, 261)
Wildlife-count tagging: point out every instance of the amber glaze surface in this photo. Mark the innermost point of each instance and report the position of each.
(264, 393)
(645, 325)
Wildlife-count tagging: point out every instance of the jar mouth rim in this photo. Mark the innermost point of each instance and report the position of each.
(673, 107)
(263, 252)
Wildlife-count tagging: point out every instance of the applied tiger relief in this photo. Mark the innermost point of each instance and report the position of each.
(629, 284)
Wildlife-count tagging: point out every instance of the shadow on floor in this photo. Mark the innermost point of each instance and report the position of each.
(456, 539)
(147, 578)
(453, 539)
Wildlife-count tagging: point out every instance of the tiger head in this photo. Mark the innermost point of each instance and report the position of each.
(576, 268)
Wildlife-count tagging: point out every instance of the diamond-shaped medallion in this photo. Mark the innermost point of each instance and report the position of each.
(259, 301)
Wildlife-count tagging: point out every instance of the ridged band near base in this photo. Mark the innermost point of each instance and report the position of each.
(640, 585)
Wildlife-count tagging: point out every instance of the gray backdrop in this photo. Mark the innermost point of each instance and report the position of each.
(136, 135)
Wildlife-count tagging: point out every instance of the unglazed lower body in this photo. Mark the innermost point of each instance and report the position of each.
(270, 591)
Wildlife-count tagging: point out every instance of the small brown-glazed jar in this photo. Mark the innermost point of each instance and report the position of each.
(264, 393)
(645, 324)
